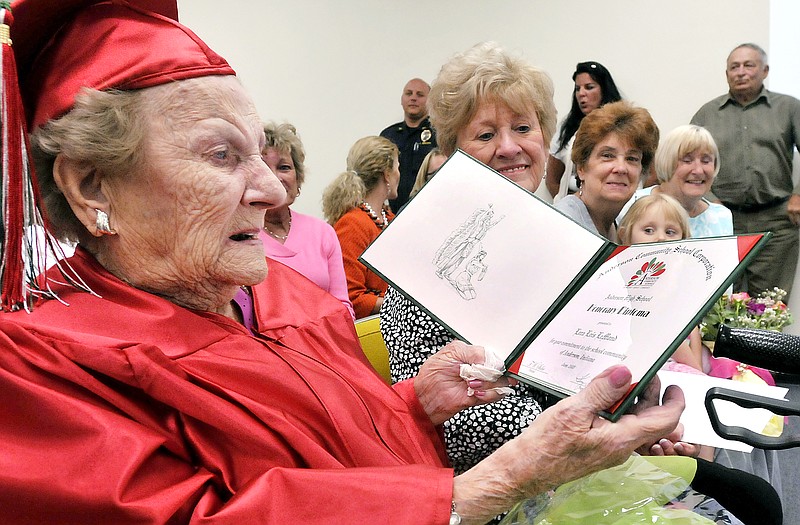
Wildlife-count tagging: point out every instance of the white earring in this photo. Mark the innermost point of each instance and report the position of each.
(102, 223)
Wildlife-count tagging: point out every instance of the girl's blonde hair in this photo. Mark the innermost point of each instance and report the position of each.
(422, 173)
(671, 208)
(367, 162)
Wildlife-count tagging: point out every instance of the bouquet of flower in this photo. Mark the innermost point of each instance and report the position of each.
(766, 311)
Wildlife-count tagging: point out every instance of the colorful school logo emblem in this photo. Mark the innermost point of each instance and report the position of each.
(648, 274)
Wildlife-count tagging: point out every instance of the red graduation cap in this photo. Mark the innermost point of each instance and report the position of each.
(66, 45)
(60, 47)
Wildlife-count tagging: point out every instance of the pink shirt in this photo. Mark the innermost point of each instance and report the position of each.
(313, 250)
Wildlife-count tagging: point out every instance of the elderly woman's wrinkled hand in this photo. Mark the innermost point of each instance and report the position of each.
(566, 442)
(578, 441)
(442, 390)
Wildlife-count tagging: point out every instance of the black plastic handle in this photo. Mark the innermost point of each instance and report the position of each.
(771, 350)
(781, 407)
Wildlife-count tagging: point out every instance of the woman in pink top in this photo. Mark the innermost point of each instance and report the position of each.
(304, 243)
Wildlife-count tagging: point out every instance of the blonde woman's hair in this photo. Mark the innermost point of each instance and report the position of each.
(367, 162)
(486, 72)
(671, 208)
(283, 138)
(680, 142)
(422, 174)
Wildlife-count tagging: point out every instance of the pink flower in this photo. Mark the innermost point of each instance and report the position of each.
(741, 296)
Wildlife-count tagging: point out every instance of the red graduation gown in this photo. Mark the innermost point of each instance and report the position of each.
(130, 409)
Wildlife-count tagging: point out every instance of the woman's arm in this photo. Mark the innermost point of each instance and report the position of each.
(690, 351)
(338, 280)
(411, 337)
(354, 239)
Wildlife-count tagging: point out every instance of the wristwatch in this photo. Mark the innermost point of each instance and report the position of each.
(455, 519)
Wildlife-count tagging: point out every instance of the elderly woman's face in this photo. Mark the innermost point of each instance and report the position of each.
(282, 166)
(693, 175)
(611, 175)
(188, 221)
(510, 143)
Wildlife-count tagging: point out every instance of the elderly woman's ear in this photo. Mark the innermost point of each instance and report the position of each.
(81, 184)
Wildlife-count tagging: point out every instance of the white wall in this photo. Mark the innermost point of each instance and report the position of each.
(784, 77)
(336, 69)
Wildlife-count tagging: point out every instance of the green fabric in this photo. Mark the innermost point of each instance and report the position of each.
(630, 494)
(679, 466)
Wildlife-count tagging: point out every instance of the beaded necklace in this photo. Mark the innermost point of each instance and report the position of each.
(280, 237)
(378, 222)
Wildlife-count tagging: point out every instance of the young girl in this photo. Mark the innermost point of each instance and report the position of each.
(659, 217)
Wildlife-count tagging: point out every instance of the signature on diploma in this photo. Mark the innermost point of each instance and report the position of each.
(537, 367)
(580, 381)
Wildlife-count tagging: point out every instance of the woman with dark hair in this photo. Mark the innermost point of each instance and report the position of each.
(594, 87)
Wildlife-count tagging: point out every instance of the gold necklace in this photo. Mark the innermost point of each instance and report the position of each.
(280, 237)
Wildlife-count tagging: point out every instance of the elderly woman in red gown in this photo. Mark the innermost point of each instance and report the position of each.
(190, 385)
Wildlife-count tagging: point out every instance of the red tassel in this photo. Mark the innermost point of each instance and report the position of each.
(25, 240)
(19, 192)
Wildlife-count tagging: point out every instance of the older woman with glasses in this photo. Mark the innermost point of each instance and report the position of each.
(300, 241)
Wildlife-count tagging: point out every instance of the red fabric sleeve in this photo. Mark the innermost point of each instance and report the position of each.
(402, 495)
(79, 447)
(406, 391)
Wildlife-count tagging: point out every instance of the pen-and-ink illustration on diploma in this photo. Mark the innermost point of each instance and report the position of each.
(460, 258)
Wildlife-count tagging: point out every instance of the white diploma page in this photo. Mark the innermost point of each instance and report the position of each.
(696, 423)
(482, 255)
(635, 310)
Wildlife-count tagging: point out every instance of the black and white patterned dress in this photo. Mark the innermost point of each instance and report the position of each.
(412, 337)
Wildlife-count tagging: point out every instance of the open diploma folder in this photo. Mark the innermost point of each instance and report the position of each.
(559, 304)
